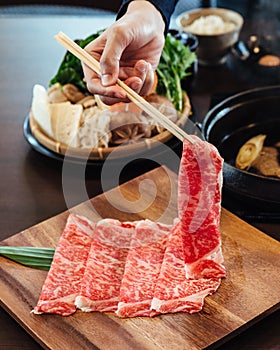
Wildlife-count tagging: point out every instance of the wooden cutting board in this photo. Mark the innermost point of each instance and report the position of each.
(249, 292)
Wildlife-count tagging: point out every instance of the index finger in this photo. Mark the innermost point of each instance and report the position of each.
(111, 56)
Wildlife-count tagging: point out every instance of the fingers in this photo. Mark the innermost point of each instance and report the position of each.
(148, 81)
(106, 88)
(108, 56)
(127, 50)
(111, 56)
(108, 95)
(142, 79)
(139, 76)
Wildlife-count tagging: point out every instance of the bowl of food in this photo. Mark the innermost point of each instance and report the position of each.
(75, 125)
(217, 30)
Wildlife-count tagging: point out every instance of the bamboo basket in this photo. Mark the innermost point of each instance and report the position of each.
(117, 152)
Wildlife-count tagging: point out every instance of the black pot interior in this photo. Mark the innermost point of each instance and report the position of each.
(233, 122)
(231, 143)
(243, 119)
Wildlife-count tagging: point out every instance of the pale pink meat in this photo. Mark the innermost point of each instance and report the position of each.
(63, 281)
(142, 268)
(199, 205)
(100, 287)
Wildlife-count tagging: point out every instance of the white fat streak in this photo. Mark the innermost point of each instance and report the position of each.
(132, 306)
(69, 299)
(87, 305)
(193, 298)
(88, 229)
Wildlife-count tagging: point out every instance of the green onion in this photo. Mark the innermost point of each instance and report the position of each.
(38, 258)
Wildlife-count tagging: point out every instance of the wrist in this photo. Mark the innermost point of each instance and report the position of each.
(146, 8)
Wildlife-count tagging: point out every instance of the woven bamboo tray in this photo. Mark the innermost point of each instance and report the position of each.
(101, 153)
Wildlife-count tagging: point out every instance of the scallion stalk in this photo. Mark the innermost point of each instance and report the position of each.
(36, 257)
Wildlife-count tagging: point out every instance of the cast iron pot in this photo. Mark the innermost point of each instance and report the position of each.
(230, 124)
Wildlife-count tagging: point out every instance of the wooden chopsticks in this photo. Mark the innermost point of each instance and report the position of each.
(84, 56)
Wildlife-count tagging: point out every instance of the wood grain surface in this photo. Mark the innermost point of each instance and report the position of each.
(248, 293)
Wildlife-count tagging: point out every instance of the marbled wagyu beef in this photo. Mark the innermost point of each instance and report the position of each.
(199, 206)
(144, 268)
(100, 286)
(63, 281)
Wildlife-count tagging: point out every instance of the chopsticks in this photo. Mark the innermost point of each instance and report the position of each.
(84, 56)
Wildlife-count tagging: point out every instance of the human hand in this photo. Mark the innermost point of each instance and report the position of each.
(130, 50)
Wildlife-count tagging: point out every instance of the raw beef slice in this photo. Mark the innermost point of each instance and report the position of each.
(199, 205)
(173, 291)
(63, 281)
(142, 268)
(105, 267)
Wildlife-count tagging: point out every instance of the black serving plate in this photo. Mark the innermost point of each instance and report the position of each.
(37, 146)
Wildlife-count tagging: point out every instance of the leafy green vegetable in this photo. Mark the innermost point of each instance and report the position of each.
(175, 59)
(39, 258)
(70, 70)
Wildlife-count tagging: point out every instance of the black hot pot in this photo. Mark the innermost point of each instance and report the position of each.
(230, 124)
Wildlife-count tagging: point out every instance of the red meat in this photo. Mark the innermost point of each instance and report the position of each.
(100, 287)
(199, 204)
(63, 281)
(173, 291)
(142, 268)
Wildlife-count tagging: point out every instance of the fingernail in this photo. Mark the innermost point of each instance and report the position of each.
(120, 94)
(135, 85)
(106, 79)
(142, 66)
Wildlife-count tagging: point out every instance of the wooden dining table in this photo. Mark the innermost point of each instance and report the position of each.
(31, 183)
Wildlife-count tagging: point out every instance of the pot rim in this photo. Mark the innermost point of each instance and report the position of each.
(229, 102)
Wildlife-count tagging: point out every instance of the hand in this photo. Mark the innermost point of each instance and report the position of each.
(130, 50)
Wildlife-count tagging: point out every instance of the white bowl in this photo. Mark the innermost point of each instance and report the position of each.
(213, 46)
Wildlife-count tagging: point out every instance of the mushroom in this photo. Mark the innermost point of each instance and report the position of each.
(165, 106)
(127, 128)
(87, 102)
(55, 94)
(72, 93)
